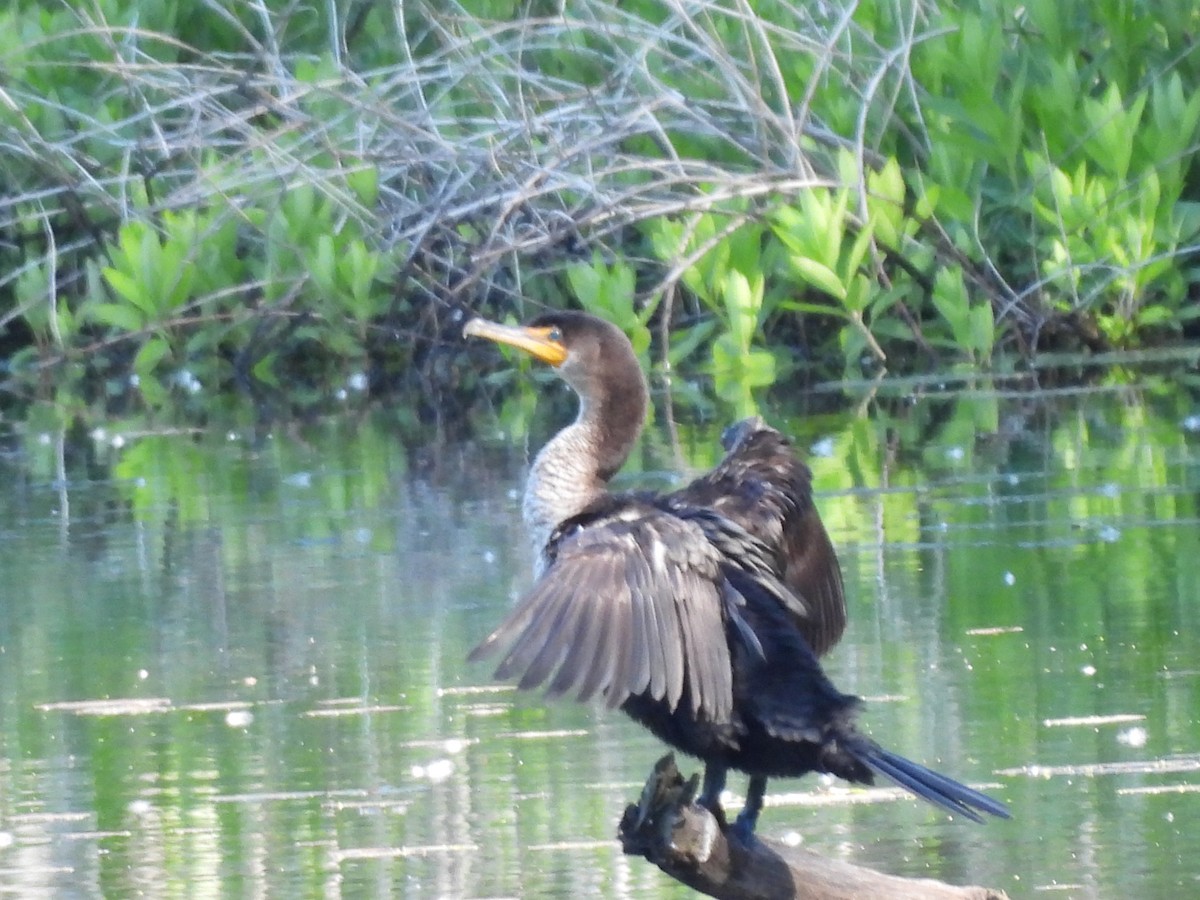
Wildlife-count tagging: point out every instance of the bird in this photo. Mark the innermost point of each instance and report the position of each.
(700, 613)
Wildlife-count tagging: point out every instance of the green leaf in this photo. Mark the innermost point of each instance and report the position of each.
(359, 268)
(149, 356)
(835, 230)
(740, 307)
(983, 329)
(364, 183)
(117, 315)
(685, 341)
(1154, 315)
(819, 276)
(639, 336)
(585, 283)
(149, 272)
(885, 202)
(951, 301)
(858, 297)
(152, 391)
(324, 266)
(125, 286)
(759, 366)
(858, 250)
(264, 370)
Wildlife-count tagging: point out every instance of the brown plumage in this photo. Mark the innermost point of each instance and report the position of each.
(701, 612)
(764, 487)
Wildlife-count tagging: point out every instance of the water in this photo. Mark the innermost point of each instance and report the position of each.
(234, 666)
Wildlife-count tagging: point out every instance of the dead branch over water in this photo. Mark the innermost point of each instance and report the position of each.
(686, 841)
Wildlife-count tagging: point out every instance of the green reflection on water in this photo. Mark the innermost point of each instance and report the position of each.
(235, 666)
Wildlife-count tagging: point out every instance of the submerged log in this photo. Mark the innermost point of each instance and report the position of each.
(687, 842)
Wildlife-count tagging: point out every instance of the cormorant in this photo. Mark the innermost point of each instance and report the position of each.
(701, 612)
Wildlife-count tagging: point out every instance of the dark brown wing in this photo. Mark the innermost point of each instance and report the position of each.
(763, 486)
(631, 603)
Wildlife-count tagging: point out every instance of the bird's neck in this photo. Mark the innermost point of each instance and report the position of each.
(573, 469)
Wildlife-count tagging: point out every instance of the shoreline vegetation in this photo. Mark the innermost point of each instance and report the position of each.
(216, 199)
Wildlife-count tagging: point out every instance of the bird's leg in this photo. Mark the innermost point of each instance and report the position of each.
(748, 817)
(710, 794)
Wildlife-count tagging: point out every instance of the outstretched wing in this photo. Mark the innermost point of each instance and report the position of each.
(762, 486)
(630, 603)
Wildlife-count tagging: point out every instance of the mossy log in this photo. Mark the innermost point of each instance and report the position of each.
(687, 842)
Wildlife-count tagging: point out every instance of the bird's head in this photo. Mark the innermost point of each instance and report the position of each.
(590, 354)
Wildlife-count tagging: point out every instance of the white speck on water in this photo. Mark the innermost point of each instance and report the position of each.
(44, 439)
(189, 382)
(489, 556)
(1111, 489)
(513, 494)
(1011, 479)
(1132, 737)
(357, 381)
(299, 479)
(955, 453)
(437, 771)
(140, 808)
(363, 535)
(135, 380)
(249, 681)
(1010, 579)
(791, 839)
(1109, 533)
(6, 839)
(822, 448)
(1170, 817)
(1088, 670)
(99, 435)
(1191, 423)
(117, 442)
(231, 436)
(340, 394)
(454, 746)
(143, 674)
(139, 482)
(239, 718)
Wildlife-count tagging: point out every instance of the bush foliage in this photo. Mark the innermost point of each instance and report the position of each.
(225, 193)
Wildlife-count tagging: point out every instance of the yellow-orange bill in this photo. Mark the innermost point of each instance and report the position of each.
(534, 341)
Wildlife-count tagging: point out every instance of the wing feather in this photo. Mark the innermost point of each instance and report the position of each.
(641, 657)
(630, 604)
(532, 651)
(763, 487)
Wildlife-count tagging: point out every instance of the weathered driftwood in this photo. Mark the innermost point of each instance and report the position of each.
(687, 842)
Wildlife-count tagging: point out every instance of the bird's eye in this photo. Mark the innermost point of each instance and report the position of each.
(555, 334)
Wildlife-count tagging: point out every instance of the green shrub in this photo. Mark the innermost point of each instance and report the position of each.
(248, 192)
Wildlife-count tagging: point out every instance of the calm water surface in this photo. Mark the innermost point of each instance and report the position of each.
(234, 666)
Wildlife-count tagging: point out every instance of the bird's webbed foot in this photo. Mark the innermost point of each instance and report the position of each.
(743, 830)
(710, 793)
(743, 827)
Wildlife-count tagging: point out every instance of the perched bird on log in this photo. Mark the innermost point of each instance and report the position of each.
(700, 613)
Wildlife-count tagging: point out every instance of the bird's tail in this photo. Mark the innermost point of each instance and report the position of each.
(928, 784)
